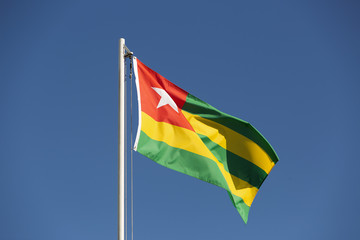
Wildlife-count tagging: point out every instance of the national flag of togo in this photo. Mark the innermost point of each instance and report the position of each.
(181, 132)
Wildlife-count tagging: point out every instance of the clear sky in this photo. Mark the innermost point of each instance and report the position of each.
(291, 68)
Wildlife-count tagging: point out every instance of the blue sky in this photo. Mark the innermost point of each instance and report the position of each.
(291, 68)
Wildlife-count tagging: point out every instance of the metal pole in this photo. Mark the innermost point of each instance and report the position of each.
(121, 142)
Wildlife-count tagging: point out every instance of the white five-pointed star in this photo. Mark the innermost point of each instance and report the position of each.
(165, 99)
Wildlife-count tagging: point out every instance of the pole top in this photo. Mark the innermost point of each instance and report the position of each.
(127, 52)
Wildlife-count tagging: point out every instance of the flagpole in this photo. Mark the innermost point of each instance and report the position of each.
(121, 142)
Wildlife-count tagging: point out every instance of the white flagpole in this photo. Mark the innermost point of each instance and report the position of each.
(121, 142)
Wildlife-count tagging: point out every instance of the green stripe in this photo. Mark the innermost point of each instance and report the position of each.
(198, 107)
(235, 164)
(239, 204)
(181, 160)
(188, 163)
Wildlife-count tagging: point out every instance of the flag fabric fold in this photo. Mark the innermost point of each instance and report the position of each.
(184, 133)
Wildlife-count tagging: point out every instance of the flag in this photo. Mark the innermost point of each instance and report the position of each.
(184, 133)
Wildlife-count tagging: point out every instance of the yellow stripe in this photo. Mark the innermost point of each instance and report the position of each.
(231, 140)
(188, 140)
